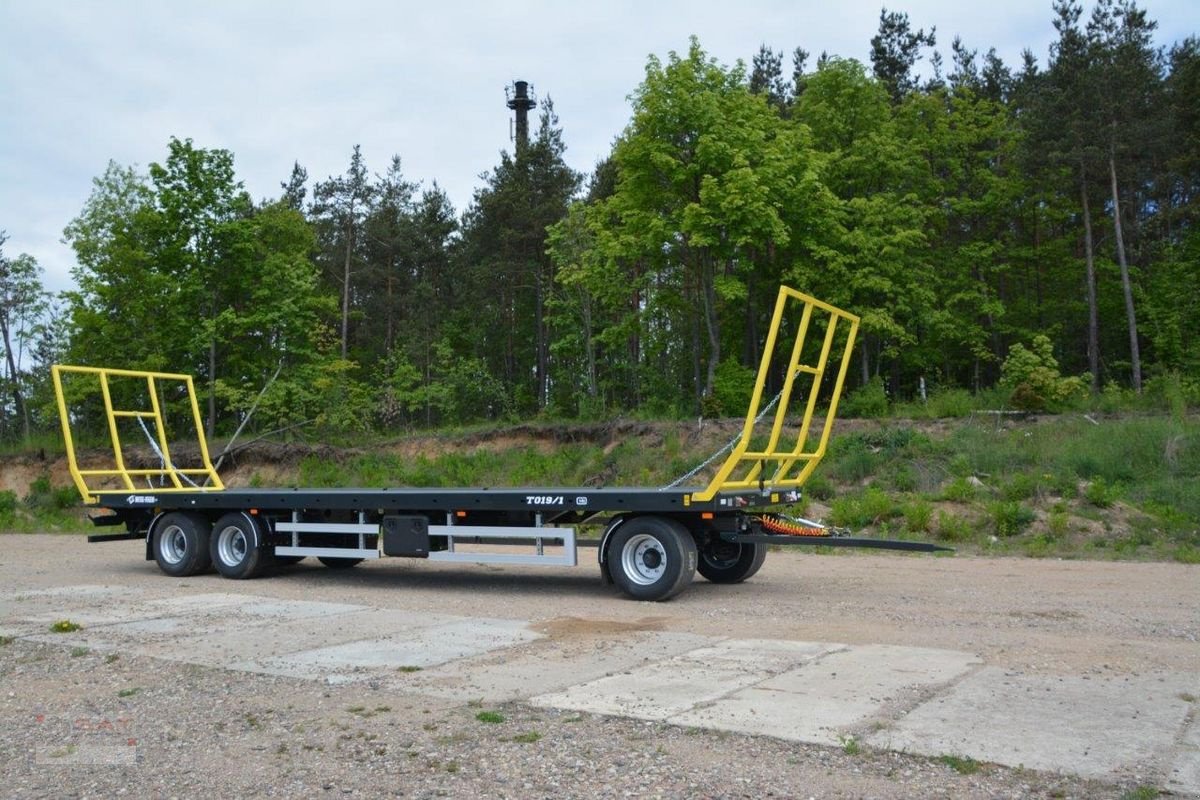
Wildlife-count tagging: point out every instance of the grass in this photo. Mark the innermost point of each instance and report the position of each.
(5, 640)
(850, 745)
(131, 691)
(1142, 793)
(490, 717)
(65, 626)
(528, 737)
(963, 765)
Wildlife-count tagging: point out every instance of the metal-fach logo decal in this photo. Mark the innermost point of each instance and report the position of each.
(141, 499)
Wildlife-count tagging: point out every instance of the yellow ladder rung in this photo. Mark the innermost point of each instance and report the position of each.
(147, 414)
(809, 370)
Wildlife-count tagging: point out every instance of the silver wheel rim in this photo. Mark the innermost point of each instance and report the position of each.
(172, 546)
(643, 559)
(232, 545)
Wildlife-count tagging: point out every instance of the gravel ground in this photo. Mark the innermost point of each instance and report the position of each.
(198, 730)
(76, 724)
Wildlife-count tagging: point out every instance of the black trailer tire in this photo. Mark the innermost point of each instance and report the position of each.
(651, 558)
(236, 547)
(287, 561)
(730, 562)
(333, 562)
(180, 544)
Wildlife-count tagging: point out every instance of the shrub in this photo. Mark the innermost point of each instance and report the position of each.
(953, 528)
(43, 496)
(1021, 486)
(1033, 381)
(818, 487)
(855, 511)
(8, 506)
(866, 401)
(960, 490)
(732, 386)
(1010, 518)
(950, 403)
(917, 515)
(1102, 494)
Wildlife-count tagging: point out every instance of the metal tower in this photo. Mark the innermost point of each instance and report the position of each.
(520, 99)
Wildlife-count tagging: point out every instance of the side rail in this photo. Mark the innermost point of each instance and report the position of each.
(767, 457)
(143, 392)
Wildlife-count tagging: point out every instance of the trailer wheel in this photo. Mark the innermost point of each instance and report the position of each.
(287, 561)
(236, 547)
(730, 562)
(181, 544)
(651, 558)
(334, 562)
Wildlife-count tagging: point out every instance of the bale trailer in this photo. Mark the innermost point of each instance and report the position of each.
(653, 541)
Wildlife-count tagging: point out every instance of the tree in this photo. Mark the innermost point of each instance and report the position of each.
(895, 49)
(1129, 77)
(341, 204)
(504, 244)
(879, 261)
(197, 200)
(711, 184)
(180, 272)
(766, 77)
(22, 304)
(294, 188)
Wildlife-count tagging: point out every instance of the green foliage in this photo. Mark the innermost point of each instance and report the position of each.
(8, 507)
(1033, 380)
(1009, 518)
(867, 401)
(1102, 494)
(732, 386)
(952, 528)
(869, 507)
(918, 513)
(45, 497)
(65, 626)
(490, 717)
(963, 765)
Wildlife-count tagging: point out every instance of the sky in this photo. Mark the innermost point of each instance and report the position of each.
(281, 81)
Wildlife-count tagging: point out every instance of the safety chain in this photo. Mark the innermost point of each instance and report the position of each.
(724, 449)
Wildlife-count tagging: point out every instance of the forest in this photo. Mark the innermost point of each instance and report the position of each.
(1027, 233)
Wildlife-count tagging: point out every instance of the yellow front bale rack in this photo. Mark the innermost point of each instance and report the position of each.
(779, 463)
(150, 417)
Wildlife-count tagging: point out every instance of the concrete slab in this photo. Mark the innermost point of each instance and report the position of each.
(419, 647)
(549, 665)
(821, 701)
(1184, 776)
(1100, 727)
(242, 642)
(293, 609)
(664, 689)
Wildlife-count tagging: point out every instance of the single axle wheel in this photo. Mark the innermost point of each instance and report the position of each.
(236, 547)
(287, 561)
(180, 544)
(730, 562)
(651, 558)
(334, 562)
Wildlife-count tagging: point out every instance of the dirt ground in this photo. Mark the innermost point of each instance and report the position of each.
(199, 729)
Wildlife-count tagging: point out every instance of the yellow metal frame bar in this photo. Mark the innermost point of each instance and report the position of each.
(92, 494)
(775, 466)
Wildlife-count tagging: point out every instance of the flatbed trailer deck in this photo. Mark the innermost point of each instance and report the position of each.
(653, 541)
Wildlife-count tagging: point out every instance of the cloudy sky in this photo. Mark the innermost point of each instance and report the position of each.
(277, 81)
